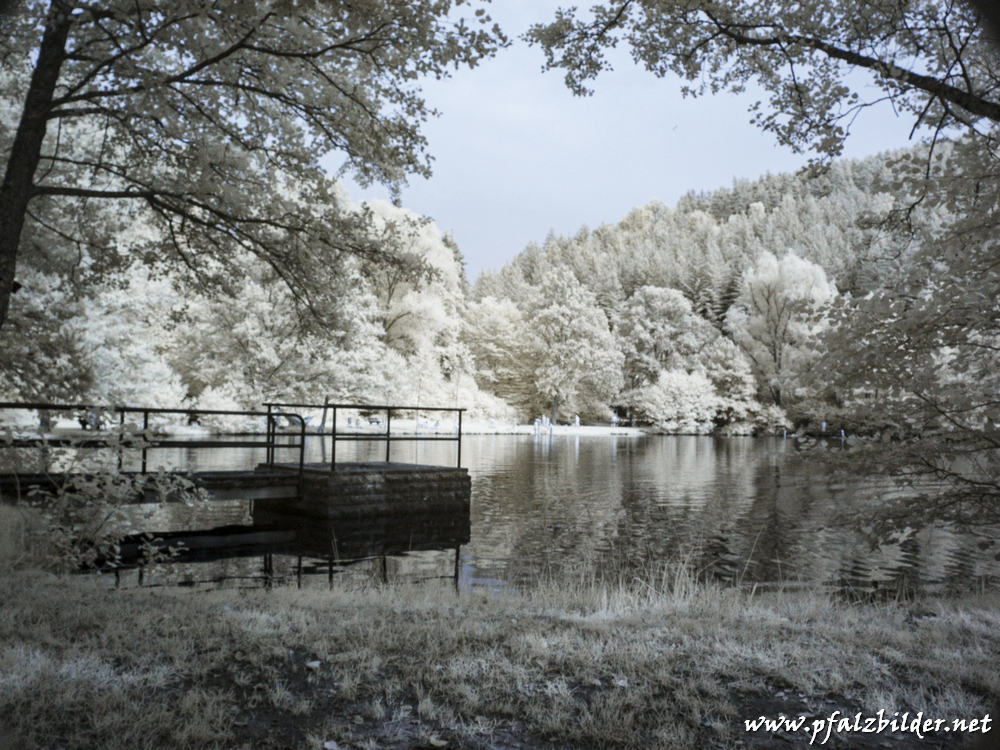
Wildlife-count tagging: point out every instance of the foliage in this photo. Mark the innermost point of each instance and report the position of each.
(917, 362)
(43, 357)
(778, 316)
(210, 119)
(496, 334)
(577, 367)
(79, 523)
(930, 58)
(656, 330)
(678, 402)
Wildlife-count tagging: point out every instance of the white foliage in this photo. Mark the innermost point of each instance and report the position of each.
(778, 316)
(252, 348)
(577, 364)
(417, 315)
(121, 331)
(678, 402)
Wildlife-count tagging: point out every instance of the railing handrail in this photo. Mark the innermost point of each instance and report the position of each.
(34, 406)
(387, 435)
(271, 444)
(271, 425)
(374, 407)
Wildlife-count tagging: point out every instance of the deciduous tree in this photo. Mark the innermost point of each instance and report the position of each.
(930, 57)
(212, 117)
(778, 317)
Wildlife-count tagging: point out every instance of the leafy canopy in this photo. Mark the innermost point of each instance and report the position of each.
(211, 118)
(930, 57)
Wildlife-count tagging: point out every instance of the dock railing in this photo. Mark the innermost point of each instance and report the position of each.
(143, 439)
(387, 436)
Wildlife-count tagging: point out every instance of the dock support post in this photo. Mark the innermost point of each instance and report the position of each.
(459, 463)
(118, 577)
(298, 572)
(141, 569)
(385, 569)
(268, 570)
(269, 455)
(145, 439)
(458, 565)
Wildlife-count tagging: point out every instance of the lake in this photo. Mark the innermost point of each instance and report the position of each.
(735, 508)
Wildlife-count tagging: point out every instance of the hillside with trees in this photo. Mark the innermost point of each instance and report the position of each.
(713, 316)
(706, 317)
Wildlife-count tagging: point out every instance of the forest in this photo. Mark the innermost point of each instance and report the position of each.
(722, 314)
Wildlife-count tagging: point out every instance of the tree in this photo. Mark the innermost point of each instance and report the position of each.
(917, 362)
(930, 57)
(778, 315)
(211, 118)
(421, 301)
(577, 367)
(242, 350)
(658, 330)
(499, 340)
(679, 402)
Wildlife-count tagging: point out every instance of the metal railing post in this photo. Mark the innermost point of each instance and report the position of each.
(302, 447)
(121, 438)
(459, 464)
(145, 438)
(269, 432)
(388, 440)
(333, 442)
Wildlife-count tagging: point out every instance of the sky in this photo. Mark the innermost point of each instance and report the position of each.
(517, 155)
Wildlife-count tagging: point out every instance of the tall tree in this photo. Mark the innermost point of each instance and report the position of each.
(213, 117)
(778, 317)
(930, 57)
(658, 330)
(578, 368)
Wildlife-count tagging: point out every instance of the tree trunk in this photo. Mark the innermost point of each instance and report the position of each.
(18, 181)
(555, 408)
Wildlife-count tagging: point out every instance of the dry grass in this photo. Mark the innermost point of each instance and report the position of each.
(668, 664)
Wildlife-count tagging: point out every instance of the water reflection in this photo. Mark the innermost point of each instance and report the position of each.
(281, 547)
(746, 509)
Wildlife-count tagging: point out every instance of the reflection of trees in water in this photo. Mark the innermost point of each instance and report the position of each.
(736, 508)
(555, 503)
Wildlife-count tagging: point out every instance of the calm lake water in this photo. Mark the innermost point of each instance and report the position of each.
(750, 509)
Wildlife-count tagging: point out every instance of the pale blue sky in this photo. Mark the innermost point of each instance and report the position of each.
(517, 155)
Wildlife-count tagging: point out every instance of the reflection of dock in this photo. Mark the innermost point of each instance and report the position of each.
(355, 539)
(317, 547)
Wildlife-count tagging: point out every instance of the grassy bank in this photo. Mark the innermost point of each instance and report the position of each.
(587, 665)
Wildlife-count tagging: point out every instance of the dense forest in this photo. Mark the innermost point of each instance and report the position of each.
(715, 315)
